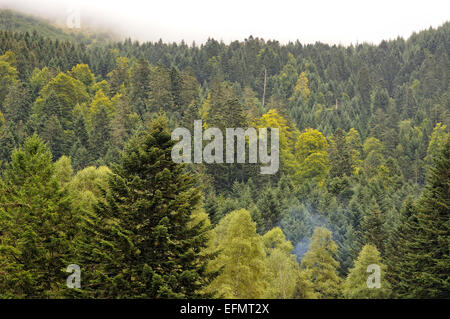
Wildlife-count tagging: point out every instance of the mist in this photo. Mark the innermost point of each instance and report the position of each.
(332, 22)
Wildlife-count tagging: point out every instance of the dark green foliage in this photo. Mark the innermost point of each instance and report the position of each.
(139, 242)
(100, 135)
(400, 251)
(432, 237)
(372, 227)
(36, 225)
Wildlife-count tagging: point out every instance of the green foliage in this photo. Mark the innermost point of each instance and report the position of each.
(282, 266)
(359, 127)
(87, 188)
(241, 259)
(433, 210)
(311, 154)
(36, 225)
(140, 242)
(8, 73)
(355, 285)
(372, 227)
(320, 266)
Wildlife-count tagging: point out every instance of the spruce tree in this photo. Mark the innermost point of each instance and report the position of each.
(270, 210)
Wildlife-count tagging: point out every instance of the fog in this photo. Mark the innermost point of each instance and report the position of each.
(333, 22)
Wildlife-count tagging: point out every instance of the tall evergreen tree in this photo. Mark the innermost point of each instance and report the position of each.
(372, 227)
(36, 225)
(433, 214)
(400, 251)
(139, 242)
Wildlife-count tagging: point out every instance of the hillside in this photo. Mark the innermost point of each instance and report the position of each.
(19, 22)
(87, 172)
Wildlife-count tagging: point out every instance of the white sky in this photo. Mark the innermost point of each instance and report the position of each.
(334, 22)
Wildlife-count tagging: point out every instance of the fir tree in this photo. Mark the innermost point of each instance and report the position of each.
(36, 225)
(372, 226)
(139, 242)
(432, 237)
(400, 251)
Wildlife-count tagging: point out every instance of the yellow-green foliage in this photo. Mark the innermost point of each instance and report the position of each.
(102, 101)
(241, 258)
(86, 187)
(102, 85)
(288, 134)
(311, 154)
(355, 285)
(8, 73)
(437, 141)
(282, 266)
(301, 87)
(304, 288)
(69, 90)
(320, 265)
(82, 73)
(353, 139)
(120, 75)
(40, 78)
(63, 169)
(2, 121)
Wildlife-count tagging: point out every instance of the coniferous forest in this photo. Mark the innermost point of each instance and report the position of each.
(86, 175)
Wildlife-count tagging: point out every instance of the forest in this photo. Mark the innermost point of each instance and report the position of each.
(86, 175)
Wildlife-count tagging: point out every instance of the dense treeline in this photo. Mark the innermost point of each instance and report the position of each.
(87, 176)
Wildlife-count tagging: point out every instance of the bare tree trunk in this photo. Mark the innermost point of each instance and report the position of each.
(264, 90)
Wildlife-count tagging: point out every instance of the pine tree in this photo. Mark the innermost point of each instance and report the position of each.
(140, 242)
(340, 155)
(7, 143)
(363, 85)
(140, 87)
(17, 104)
(100, 135)
(120, 75)
(175, 87)
(53, 134)
(80, 131)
